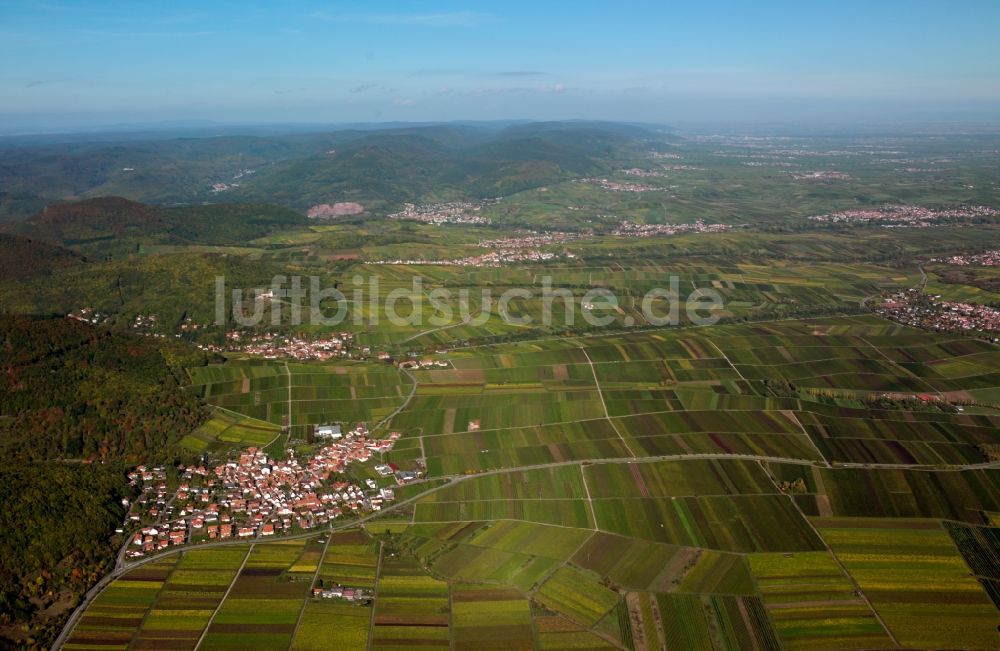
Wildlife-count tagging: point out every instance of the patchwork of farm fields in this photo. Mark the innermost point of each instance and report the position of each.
(792, 390)
(813, 603)
(786, 390)
(298, 394)
(226, 428)
(747, 289)
(794, 484)
(916, 580)
(512, 580)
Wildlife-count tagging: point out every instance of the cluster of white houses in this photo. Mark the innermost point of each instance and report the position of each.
(619, 186)
(270, 345)
(255, 496)
(989, 258)
(458, 212)
(895, 216)
(627, 228)
(915, 308)
(337, 591)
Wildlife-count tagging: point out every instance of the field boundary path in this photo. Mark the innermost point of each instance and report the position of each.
(224, 597)
(600, 394)
(857, 587)
(305, 602)
(590, 501)
(378, 578)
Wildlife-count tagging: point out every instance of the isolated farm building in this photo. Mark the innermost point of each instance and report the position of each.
(328, 432)
(404, 476)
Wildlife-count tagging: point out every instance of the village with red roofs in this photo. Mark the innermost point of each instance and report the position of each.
(255, 496)
(929, 312)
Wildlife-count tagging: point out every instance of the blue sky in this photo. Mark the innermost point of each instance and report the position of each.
(80, 63)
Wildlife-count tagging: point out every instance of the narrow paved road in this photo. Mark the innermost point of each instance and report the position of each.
(466, 321)
(413, 391)
(288, 373)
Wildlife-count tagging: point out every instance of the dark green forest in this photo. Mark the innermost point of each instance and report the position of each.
(113, 227)
(78, 507)
(69, 390)
(76, 403)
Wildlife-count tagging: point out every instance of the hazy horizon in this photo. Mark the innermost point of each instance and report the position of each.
(84, 64)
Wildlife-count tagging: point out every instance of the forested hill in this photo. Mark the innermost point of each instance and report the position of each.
(58, 522)
(381, 170)
(113, 226)
(378, 167)
(23, 256)
(69, 390)
(77, 404)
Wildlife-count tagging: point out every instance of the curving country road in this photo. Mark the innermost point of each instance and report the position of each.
(402, 406)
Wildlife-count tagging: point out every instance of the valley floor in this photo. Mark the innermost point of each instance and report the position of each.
(798, 484)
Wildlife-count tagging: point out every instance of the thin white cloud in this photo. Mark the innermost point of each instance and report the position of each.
(133, 34)
(557, 89)
(520, 73)
(445, 19)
